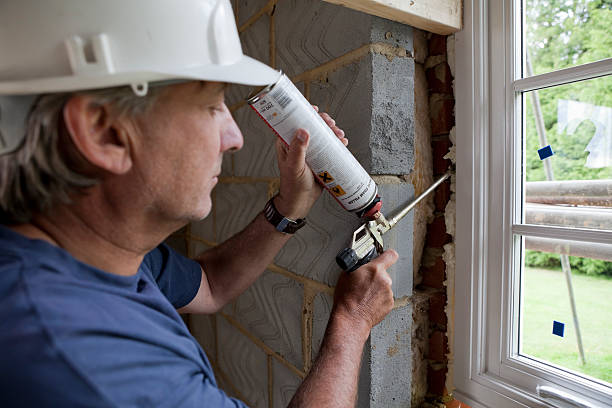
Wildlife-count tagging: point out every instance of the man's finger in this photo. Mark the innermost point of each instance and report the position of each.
(387, 258)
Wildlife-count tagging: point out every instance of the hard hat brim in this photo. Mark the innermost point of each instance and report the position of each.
(245, 71)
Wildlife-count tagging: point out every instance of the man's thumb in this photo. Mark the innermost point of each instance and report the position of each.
(299, 145)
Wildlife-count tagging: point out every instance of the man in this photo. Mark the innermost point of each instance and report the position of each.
(107, 151)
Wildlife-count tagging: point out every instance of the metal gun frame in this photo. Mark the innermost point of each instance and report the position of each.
(369, 235)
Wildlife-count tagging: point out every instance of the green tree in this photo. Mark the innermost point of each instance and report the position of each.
(560, 34)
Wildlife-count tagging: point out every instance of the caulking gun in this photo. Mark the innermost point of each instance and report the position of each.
(367, 240)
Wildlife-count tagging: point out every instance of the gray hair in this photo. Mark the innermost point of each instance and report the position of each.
(47, 168)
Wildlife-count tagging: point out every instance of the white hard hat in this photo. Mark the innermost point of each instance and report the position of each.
(69, 45)
(66, 45)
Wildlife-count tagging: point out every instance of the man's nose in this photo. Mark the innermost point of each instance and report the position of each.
(231, 136)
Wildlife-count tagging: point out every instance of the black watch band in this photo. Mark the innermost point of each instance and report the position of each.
(279, 221)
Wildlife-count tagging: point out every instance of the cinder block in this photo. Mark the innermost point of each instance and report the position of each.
(245, 364)
(244, 9)
(236, 205)
(391, 360)
(286, 383)
(400, 238)
(257, 158)
(271, 309)
(310, 33)
(392, 32)
(322, 306)
(202, 328)
(347, 96)
(372, 100)
(392, 137)
(312, 251)
(256, 39)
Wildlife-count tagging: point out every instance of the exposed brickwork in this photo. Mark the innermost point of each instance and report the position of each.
(433, 268)
(439, 79)
(442, 195)
(436, 233)
(437, 315)
(437, 44)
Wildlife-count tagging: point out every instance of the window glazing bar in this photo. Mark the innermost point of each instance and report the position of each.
(564, 76)
(569, 234)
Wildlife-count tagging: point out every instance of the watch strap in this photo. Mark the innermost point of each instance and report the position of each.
(279, 221)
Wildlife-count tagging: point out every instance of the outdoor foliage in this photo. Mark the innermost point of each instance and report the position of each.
(586, 266)
(561, 34)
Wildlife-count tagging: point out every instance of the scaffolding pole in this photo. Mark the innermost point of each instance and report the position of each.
(565, 265)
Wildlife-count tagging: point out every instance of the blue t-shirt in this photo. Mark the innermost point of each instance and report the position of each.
(72, 335)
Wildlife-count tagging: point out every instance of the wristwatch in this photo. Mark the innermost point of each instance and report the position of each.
(279, 221)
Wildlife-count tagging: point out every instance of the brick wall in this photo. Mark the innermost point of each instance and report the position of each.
(371, 75)
(435, 290)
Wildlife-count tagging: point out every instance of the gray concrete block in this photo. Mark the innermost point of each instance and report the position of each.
(347, 96)
(244, 9)
(400, 237)
(312, 251)
(391, 32)
(271, 309)
(236, 205)
(202, 328)
(256, 40)
(392, 136)
(245, 364)
(286, 383)
(310, 33)
(365, 378)
(391, 360)
(322, 306)
(257, 158)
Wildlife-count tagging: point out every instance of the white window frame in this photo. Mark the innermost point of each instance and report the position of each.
(485, 372)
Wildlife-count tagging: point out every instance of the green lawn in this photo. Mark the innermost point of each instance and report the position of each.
(546, 299)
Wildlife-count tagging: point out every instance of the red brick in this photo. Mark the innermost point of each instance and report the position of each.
(437, 44)
(437, 315)
(440, 148)
(434, 276)
(440, 79)
(438, 346)
(436, 380)
(442, 195)
(436, 233)
(441, 113)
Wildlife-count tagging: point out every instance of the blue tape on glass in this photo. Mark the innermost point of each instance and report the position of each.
(558, 328)
(545, 152)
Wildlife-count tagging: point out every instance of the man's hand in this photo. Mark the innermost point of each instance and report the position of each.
(364, 296)
(299, 189)
(362, 299)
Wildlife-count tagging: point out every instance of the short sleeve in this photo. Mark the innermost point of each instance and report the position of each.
(178, 277)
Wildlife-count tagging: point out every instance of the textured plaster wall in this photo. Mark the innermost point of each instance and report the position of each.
(361, 69)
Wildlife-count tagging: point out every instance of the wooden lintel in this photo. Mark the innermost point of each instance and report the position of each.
(436, 16)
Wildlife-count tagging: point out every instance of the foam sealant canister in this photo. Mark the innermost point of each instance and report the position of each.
(283, 107)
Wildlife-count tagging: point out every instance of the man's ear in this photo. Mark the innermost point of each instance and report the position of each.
(93, 131)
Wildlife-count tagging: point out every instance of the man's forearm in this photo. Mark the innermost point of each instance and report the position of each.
(332, 381)
(233, 266)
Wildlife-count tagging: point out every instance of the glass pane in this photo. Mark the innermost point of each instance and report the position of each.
(573, 186)
(564, 33)
(550, 331)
